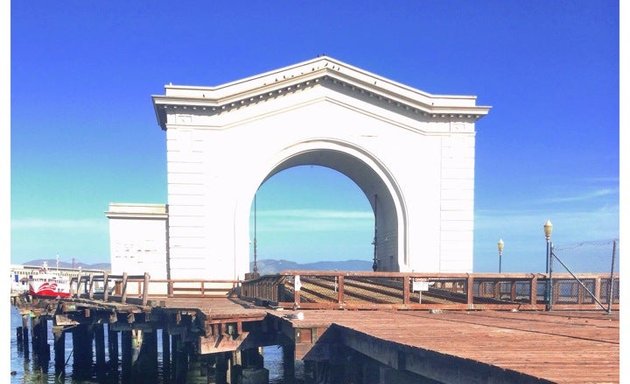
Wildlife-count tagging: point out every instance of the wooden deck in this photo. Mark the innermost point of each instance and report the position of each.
(463, 339)
(559, 347)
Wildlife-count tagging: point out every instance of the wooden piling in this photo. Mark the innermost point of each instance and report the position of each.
(221, 368)
(39, 334)
(112, 344)
(82, 350)
(36, 334)
(25, 344)
(60, 350)
(146, 364)
(166, 353)
(181, 360)
(127, 354)
(288, 363)
(99, 346)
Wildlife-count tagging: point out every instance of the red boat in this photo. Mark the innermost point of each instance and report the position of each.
(48, 284)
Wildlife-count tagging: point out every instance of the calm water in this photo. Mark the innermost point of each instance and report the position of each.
(28, 370)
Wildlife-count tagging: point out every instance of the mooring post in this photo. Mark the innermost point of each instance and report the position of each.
(288, 363)
(60, 350)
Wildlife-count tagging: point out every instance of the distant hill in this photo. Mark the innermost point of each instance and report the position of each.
(269, 266)
(265, 266)
(62, 264)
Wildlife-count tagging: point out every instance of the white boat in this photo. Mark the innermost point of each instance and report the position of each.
(48, 284)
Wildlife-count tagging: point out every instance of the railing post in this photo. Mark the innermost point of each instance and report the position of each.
(123, 297)
(145, 289)
(72, 291)
(91, 287)
(79, 278)
(533, 290)
(406, 289)
(297, 285)
(340, 290)
(598, 288)
(105, 289)
(470, 284)
(170, 288)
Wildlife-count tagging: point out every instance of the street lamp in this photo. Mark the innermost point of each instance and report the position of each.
(500, 246)
(548, 228)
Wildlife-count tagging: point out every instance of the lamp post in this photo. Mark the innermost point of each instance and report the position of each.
(548, 228)
(500, 246)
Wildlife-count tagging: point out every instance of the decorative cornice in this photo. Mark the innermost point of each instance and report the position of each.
(137, 211)
(323, 71)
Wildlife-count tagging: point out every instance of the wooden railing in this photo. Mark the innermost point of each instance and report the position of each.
(390, 290)
(365, 290)
(139, 289)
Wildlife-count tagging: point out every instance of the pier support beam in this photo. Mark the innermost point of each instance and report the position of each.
(99, 346)
(25, 322)
(112, 344)
(82, 350)
(40, 338)
(288, 363)
(127, 354)
(221, 368)
(180, 359)
(60, 350)
(166, 353)
(146, 366)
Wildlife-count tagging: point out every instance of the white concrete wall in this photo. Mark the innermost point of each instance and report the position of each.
(209, 170)
(137, 235)
(218, 155)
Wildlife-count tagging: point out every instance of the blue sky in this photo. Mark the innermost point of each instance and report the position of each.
(83, 130)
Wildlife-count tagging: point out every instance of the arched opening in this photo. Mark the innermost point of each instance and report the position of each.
(370, 177)
(311, 214)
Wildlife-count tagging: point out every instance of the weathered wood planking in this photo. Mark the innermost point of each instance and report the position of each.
(574, 347)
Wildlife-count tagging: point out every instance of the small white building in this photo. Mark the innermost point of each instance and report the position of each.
(138, 239)
(412, 153)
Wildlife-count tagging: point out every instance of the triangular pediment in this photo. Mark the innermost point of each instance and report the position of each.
(321, 71)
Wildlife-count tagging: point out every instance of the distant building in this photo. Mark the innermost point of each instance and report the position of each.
(138, 239)
(412, 153)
